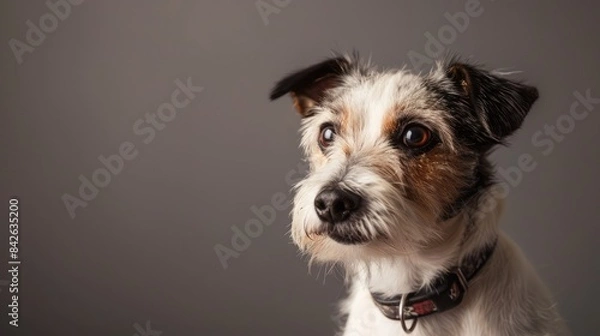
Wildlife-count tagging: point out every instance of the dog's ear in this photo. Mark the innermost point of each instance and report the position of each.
(307, 87)
(499, 103)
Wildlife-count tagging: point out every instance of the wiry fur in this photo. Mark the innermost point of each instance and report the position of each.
(410, 239)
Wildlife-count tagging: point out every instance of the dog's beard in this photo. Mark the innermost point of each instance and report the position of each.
(388, 223)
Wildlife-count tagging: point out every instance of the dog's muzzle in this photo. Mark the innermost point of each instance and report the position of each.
(339, 210)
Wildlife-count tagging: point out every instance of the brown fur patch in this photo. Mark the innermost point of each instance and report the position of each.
(302, 104)
(344, 117)
(346, 149)
(390, 121)
(434, 179)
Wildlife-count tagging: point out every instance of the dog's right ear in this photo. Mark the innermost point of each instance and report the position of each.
(307, 87)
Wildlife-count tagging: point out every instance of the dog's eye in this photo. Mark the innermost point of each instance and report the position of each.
(416, 136)
(326, 136)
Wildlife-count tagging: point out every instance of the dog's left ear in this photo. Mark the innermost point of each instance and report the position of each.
(499, 103)
(308, 86)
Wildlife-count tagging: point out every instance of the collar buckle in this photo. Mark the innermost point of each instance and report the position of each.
(402, 316)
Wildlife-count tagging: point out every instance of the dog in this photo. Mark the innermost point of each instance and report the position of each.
(400, 193)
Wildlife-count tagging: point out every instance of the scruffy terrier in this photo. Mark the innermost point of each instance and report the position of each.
(401, 194)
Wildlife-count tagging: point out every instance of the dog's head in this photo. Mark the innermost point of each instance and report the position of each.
(393, 155)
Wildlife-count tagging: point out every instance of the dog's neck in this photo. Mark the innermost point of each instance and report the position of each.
(471, 231)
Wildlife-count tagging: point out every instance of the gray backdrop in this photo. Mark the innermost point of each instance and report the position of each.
(140, 257)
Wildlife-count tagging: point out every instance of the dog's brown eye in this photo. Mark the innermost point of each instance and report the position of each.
(326, 136)
(416, 136)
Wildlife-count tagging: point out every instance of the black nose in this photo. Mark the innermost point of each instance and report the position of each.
(334, 205)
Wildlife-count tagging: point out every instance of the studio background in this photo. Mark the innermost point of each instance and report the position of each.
(140, 258)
